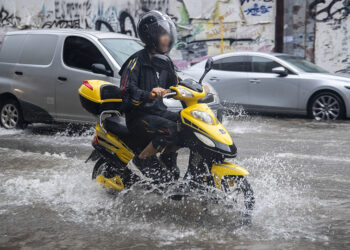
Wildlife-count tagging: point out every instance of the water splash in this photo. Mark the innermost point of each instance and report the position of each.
(287, 208)
(284, 202)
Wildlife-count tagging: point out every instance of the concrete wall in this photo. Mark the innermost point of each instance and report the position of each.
(319, 31)
(248, 24)
(314, 29)
(332, 47)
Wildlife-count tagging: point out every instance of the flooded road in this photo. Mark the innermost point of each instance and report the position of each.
(300, 172)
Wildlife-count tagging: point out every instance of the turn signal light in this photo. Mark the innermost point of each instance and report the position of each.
(95, 142)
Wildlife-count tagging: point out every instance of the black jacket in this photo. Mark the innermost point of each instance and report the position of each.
(138, 78)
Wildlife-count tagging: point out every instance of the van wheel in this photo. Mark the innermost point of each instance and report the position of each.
(11, 115)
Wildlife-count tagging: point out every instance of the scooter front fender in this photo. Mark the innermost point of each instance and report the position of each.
(218, 171)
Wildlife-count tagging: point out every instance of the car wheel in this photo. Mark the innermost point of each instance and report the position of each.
(326, 106)
(11, 115)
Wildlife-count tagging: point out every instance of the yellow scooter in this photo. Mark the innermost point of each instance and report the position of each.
(208, 140)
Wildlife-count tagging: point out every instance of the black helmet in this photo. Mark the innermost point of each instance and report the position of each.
(152, 25)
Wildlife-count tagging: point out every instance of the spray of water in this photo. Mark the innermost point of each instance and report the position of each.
(283, 202)
(284, 205)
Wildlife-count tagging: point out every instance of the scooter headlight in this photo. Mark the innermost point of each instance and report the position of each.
(203, 116)
(185, 93)
(205, 140)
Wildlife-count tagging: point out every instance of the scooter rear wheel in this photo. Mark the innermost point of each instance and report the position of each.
(101, 167)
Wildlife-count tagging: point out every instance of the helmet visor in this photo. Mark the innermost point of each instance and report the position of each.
(163, 33)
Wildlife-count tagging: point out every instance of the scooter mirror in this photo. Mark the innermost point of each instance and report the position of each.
(209, 64)
(208, 67)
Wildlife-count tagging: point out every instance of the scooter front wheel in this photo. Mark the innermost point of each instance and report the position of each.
(240, 185)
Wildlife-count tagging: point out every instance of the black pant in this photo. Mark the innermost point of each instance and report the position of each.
(161, 129)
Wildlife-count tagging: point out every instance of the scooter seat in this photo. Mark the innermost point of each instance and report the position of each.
(114, 126)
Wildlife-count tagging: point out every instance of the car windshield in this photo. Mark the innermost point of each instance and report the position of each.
(121, 49)
(303, 64)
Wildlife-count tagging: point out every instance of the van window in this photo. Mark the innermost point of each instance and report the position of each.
(80, 53)
(38, 49)
(11, 48)
(121, 49)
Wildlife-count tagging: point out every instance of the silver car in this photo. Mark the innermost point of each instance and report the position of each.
(279, 84)
(41, 71)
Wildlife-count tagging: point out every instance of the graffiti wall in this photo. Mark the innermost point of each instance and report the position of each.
(332, 50)
(247, 24)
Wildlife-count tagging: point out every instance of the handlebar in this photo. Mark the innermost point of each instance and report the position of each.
(153, 95)
(168, 93)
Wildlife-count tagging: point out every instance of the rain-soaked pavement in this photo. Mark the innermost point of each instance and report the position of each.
(300, 171)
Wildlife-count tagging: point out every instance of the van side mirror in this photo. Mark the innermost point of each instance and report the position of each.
(282, 71)
(100, 68)
(208, 66)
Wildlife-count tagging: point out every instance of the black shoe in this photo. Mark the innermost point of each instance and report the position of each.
(169, 160)
(139, 167)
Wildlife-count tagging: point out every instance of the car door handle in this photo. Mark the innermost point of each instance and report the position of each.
(255, 81)
(214, 78)
(62, 78)
(19, 73)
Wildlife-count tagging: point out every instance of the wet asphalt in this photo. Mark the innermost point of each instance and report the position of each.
(300, 172)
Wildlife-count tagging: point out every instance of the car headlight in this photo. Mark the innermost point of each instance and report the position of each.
(185, 92)
(203, 116)
(205, 140)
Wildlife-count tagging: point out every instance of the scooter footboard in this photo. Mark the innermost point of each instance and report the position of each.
(115, 183)
(226, 169)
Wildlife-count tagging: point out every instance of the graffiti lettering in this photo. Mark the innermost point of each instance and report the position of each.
(68, 15)
(196, 38)
(336, 10)
(161, 5)
(257, 10)
(71, 10)
(124, 22)
(100, 23)
(114, 21)
(7, 19)
(73, 24)
(127, 24)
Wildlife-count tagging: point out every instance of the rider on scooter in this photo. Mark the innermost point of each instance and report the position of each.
(147, 118)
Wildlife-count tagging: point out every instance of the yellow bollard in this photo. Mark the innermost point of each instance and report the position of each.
(221, 18)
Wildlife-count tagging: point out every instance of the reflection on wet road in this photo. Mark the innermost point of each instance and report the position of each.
(300, 171)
